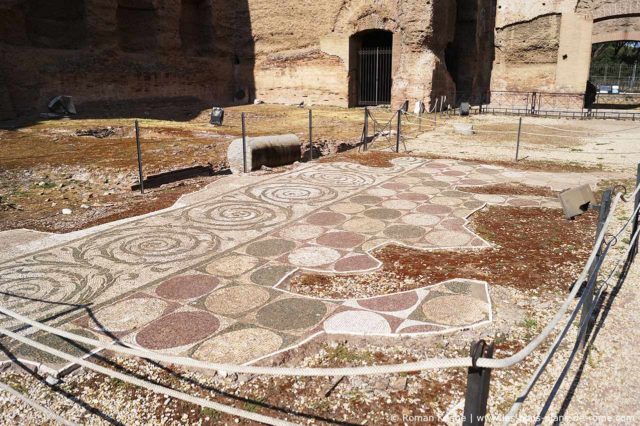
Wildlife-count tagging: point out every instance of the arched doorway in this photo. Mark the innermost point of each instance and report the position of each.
(371, 68)
(614, 72)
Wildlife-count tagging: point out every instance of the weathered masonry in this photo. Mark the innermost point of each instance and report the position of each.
(337, 52)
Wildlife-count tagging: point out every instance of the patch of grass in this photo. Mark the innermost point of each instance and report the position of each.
(529, 323)
(47, 185)
(343, 354)
(211, 413)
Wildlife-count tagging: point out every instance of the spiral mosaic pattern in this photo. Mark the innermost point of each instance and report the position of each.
(236, 215)
(42, 289)
(341, 177)
(294, 193)
(157, 244)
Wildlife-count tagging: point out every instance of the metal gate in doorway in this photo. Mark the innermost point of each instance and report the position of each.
(374, 76)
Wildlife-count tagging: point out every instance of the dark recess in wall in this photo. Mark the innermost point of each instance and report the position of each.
(56, 24)
(137, 25)
(196, 27)
(469, 58)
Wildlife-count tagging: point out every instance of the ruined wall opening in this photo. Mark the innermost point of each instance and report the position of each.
(56, 24)
(470, 56)
(137, 23)
(614, 73)
(370, 68)
(196, 27)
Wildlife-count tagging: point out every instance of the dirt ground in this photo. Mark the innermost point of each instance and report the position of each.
(48, 167)
(93, 178)
(605, 144)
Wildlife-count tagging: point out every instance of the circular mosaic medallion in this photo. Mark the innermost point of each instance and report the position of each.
(187, 287)
(236, 215)
(364, 225)
(291, 314)
(313, 256)
(366, 199)
(421, 219)
(347, 208)
(270, 275)
(434, 209)
(446, 201)
(293, 193)
(149, 244)
(236, 300)
(270, 248)
(399, 204)
(391, 303)
(342, 240)
(344, 178)
(302, 232)
(381, 192)
(383, 214)
(455, 310)
(325, 218)
(128, 314)
(233, 265)
(239, 347)
(357, 322)
(356, 264)
(404, 232)
(448, 238)
(179, 329)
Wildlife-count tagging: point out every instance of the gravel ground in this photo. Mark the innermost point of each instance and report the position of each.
(608, 144)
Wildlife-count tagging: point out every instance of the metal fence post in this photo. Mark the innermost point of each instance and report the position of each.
(244, 143)
(140, 174)
(310, 135)
(399, 129)
(634, 250)
(585, 316)
(366, 127)
(478, 380)
(435, 118)
(518, 141)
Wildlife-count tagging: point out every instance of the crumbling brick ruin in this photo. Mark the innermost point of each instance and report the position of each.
(234, 51)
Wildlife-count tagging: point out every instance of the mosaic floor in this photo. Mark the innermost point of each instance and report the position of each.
(208, 280)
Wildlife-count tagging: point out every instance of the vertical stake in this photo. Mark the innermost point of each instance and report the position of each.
(435, 117)
(585, 316)
(518, 141)
(478, 379)
(244, 143)
(634, 250)
(310, 135)
(366, 127)
(398, 130)
(140, 175)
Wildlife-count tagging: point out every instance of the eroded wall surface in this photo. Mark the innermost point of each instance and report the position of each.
(111, 50)
(234, 51)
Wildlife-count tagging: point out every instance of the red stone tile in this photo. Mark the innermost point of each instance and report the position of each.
(434, 209)
(395, 186)
(178, 329)
(355, 263)
(392, 303)
(413, 196)
(341, 239)
(326, 218)
(187, 286)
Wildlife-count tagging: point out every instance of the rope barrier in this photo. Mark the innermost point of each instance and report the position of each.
(517, 406)
(247, 369)
(36, 406)
(433, 363)
(147, 385)
(527, 350)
